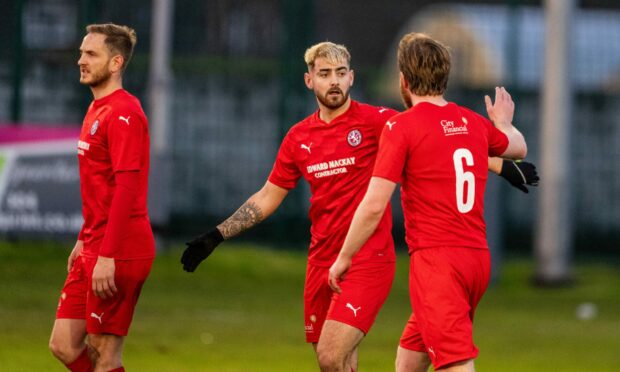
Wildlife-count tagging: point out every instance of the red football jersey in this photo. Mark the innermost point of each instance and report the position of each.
(440, 156)
(114, 138)
(336, 159)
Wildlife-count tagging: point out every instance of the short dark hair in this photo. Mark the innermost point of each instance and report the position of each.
(119, 39)
(425, 64)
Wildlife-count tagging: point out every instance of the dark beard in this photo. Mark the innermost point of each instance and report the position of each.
(404, 94)
(99, 78)
(331, 103)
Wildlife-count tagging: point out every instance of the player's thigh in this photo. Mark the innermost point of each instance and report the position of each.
(114, 315)
(72, 301)
(317, 299)
(69, 329)
(411, 360)
(363, 292)
(411, 338)
(339, 338)
(441, 282)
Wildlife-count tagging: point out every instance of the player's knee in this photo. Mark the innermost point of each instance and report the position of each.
(329, 360)
(353, 364)
(106, 353)
(56, 349)
(63, 351)
(403, 365)
(106, 361)
(99, 350)
(92, 353)
(108, 365)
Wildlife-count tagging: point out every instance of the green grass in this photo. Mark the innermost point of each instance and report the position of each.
(242, 311)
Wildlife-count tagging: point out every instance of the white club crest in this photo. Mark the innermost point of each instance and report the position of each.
(354, 137)
(93, 128)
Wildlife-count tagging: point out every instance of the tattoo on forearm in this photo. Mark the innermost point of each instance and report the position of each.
(248, 215)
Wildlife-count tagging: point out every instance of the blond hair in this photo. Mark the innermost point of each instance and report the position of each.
(333, 53)
(425, 64)
(119, 39)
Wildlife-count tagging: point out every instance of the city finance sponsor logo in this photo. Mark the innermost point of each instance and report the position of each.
(330, 168)
(93, 128)
(354, 137)
(83, 146)
(451, 129)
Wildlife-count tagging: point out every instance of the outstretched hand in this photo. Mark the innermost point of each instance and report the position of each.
(519, 174)
(502, 110)
(199, 249)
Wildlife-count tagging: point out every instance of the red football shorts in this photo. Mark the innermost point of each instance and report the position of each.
(364, 290)
(445, 286)
(112, 315)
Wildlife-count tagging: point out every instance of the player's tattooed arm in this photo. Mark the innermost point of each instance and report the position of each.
(246, 217)
(254, 211)
(258, 207)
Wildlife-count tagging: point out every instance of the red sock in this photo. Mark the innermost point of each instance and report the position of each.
(119, 369)
(82, 363)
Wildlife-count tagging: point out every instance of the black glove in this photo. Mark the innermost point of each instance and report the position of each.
(519, 174)
(199, 249)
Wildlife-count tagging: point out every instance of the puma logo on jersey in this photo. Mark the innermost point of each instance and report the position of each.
(382, 109)
(98, 317)
(304, 147)
(349, 306)
(390, 124)
(126, 120)
(432, 352)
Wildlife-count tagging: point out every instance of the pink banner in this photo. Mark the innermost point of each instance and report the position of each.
(35, 133)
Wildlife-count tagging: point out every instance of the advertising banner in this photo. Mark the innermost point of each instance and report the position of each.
(39, 182)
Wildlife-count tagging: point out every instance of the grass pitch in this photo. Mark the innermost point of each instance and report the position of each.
(242, 311)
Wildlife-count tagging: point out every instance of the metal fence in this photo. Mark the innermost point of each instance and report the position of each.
(238, 87)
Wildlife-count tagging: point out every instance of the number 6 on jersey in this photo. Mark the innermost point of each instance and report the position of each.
(463, 178)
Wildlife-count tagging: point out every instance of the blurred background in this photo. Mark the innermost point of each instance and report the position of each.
(222, 82)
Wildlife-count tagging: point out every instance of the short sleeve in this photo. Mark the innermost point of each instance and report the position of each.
(385, 113)
(392, 153)
(285, 172)
(126, 140)
(498, 141)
